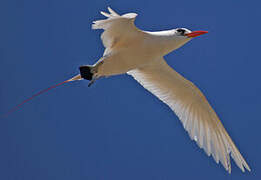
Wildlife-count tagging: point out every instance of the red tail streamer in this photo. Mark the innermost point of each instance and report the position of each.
(29, 99)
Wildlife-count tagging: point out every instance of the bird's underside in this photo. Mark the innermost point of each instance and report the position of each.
(150, 69)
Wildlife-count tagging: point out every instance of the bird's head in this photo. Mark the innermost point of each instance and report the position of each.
(181, 36)
(185, 33)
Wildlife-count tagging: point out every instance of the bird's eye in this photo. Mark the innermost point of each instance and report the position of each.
(181, 31)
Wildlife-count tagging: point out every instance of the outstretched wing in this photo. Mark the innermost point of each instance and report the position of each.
(192, 108)
(117, 28)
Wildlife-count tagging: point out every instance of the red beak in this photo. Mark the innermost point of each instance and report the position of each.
(195, 33)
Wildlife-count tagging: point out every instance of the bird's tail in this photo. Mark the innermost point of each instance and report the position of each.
(86, 72)
(77, 77)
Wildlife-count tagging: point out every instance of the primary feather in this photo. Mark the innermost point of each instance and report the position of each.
(192, 108)
(115, 27)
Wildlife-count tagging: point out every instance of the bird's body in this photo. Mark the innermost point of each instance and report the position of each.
(140, 50)
(140, 54)
(135, 48)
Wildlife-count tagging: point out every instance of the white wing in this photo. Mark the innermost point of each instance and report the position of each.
(192, 108)
(116, 28)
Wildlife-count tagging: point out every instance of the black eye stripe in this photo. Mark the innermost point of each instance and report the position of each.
(182, 31)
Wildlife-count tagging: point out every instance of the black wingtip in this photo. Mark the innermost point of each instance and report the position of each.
(85, 72)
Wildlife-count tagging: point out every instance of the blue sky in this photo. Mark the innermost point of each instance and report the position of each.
(117, 130)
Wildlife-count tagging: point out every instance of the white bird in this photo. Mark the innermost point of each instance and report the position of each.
(140, 54)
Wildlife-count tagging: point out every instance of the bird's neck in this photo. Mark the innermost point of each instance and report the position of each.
(166, 41)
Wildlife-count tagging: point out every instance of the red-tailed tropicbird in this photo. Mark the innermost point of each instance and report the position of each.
(140, 54)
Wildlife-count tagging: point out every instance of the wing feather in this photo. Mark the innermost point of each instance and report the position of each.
(193, 109)
(116, 28)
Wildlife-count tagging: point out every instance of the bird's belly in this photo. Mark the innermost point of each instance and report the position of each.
(123, 61)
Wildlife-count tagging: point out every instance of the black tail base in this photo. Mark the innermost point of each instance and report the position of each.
(85, 72)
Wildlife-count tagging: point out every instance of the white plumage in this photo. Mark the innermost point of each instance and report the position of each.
(140, 54)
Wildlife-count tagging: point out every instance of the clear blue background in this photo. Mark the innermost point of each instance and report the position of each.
(116, 130)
